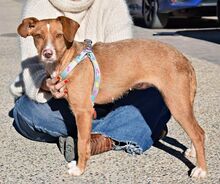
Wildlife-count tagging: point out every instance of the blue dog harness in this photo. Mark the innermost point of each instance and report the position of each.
(87, 52)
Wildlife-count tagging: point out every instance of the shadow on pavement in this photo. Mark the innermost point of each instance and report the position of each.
(19, 1)
(192, 23)
(9, 35)
(184, 23)
(202, 29)
(178, 154)
(210, 35)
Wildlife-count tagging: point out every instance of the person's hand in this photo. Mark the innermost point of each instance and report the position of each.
(55, 86)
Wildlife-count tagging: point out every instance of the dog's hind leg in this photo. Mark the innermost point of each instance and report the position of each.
(191, 152)
(178, 99)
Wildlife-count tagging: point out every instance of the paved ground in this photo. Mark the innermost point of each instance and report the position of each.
(26, 162)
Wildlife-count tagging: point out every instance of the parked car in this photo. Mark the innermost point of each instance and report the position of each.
(156, 13)
(218, 10)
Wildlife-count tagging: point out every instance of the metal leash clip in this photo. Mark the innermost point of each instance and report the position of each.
(88, 43)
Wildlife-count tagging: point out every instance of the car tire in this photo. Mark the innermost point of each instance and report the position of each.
(218, 11)
(152, 18)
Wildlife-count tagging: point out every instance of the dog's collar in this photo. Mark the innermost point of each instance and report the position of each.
(87, 52)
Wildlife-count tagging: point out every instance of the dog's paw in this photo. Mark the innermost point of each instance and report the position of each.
(190, 153)
(75, 171)
(198, 172)
(71, 164)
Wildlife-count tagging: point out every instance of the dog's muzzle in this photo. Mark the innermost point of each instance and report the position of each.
(47, 53)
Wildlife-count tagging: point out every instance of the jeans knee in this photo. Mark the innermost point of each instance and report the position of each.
(20, 124)
(24, 127)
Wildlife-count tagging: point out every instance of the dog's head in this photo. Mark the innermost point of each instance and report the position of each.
(51, 36)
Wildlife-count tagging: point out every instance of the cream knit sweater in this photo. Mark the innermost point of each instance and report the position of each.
(100, 20)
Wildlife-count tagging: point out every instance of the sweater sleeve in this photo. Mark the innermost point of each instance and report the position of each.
(118, 22)
(33, 76)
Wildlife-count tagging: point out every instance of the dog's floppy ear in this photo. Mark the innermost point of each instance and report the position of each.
(26, 27)
(70, 27)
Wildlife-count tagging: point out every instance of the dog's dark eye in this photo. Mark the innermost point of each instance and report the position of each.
(59, 35)
(38, 36)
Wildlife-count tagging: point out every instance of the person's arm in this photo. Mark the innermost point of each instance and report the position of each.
(17, 87)
(33, 74)
(118, 22)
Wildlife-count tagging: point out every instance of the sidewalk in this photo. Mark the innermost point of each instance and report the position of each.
(26, 162)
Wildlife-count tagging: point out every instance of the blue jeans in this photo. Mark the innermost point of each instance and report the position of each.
(136, 120)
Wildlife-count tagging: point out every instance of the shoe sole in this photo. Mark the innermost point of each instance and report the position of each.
(69, 149)
(62, 141)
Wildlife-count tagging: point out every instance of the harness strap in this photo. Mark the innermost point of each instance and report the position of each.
(87, 52)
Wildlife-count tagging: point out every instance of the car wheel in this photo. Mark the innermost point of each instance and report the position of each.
(152, 18)
(218, 11)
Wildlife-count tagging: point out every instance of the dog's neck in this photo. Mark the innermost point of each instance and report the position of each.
(56, 67)
(69, 55)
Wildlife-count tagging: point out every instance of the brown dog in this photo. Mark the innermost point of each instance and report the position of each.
(123, 65)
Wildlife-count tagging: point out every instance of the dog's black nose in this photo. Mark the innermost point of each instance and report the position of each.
(48, 53)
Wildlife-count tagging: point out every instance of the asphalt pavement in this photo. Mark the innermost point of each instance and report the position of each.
(26, 162)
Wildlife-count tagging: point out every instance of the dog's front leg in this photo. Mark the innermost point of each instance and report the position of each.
(83, 122)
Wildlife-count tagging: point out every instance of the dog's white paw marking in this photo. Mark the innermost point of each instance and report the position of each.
(75, 171)
(198, 172)
(190, 153)
(71, 164)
